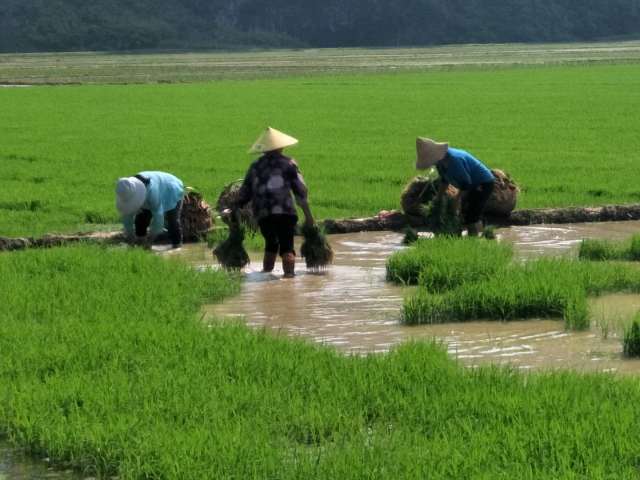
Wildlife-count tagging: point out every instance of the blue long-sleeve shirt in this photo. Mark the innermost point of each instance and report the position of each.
(463, 170)
(164, 191)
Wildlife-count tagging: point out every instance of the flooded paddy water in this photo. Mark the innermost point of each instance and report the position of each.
(17, 466)
(350, 306)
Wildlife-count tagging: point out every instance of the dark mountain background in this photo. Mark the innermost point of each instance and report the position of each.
(57, 25)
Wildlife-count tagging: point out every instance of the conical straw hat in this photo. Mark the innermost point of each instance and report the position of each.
(429, 152)
(272, 139)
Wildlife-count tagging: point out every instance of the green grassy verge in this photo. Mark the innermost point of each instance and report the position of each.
(64, 147)
(107, 367)
(464, 279)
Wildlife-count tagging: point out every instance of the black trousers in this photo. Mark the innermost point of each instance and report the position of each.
(476, 200)
(278, 231)
(171, 219)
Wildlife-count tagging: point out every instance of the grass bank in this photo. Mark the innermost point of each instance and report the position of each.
(64, 147)
(107, 367)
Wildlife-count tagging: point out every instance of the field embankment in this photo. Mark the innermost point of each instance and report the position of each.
(150, 67)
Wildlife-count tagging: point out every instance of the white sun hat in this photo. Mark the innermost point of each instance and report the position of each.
(429, 152)
(130, 195)
(272, 139)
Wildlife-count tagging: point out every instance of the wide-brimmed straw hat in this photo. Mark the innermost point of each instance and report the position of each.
(429, 152)
(272, 139)
(130, 195)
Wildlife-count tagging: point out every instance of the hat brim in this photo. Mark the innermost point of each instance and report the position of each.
(270, 148)
(272, 139)
(429, 152)
(132, 205)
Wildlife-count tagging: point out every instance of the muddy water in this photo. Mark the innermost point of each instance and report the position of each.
(353, 308)
(16, 466)
(562, 239)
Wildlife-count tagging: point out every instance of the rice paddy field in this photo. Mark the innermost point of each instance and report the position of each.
(108, 367)
(567, 134)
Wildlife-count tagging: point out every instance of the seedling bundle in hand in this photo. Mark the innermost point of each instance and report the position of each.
(231, 252)
(315, 248)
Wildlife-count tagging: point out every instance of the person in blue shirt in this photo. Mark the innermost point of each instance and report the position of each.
(462, 170)
(147, 201)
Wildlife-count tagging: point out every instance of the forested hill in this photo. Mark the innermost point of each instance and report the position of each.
(52, 25)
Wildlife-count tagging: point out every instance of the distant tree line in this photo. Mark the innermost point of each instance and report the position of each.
(55, 25)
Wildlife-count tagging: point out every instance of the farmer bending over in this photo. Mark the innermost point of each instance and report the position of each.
(268, 185)
(462, 170)
(149, 199)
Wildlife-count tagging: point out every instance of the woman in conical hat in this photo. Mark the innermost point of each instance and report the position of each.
(462, 170)
(271, 184)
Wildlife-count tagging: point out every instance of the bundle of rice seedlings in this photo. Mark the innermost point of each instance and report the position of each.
(315, 248)
(410, 236)
(504, 197)
(631, 341)
(196, 216)
(417, 193)
(228, 200)
(489, 232)
(231, 253)
(444, 216)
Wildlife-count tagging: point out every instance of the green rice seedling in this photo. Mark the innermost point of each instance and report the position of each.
(107, 368)
(196, 216)
(410, 236)
(604, 277)
(576, 311)
(316, 249)
(601, 250)
(610, 250)
(230, 252)
(634, 248)
(217, 235)
(443, 263)
(253, 242)
(443, 216)
(517, 293)
(541, 288)
(631, 340)
(334, 173)
(489, 233)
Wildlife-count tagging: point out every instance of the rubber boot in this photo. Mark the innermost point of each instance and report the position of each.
(289, 265)
(269, 261)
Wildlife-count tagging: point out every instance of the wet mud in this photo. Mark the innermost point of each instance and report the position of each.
(352, 307)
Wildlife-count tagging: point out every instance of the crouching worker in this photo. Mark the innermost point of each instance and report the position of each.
(462, 170)
(147, 201)
(268, 185)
